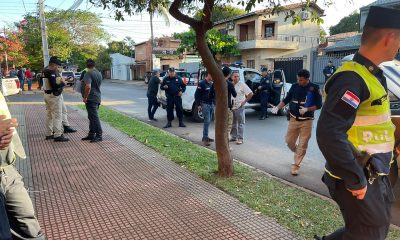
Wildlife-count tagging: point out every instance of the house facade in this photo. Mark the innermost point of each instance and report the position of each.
(164, 56)
(264, 37)
(121, 66)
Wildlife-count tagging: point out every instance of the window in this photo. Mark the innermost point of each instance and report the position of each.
(251, 63)
(254, 77)
(269, 30)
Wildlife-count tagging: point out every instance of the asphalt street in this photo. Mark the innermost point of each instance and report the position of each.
(264, 145)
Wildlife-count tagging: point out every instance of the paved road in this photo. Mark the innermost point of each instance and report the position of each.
(264, 146)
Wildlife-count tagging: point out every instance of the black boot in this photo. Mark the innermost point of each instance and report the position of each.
(181, 124)
(168, 125)
(97, 138)
(318, 238)
(262, 117)
(89, 137)
(61, 138)
(68, 129)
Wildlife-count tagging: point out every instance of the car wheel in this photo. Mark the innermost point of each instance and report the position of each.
(197, 114)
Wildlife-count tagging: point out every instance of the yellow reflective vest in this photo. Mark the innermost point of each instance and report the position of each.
(372, 130)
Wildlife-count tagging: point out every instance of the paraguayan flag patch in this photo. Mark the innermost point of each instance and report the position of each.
(351, 99)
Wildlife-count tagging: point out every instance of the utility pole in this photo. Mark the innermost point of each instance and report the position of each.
(5, 50)
(45, 45)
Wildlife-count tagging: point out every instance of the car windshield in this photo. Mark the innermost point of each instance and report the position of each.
(67, 74)
(252, 76)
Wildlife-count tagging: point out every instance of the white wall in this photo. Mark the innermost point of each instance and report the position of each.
(121, 67)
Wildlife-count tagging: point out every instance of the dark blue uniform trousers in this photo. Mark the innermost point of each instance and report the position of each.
(264, 96)
(177, 102)
(366, 219)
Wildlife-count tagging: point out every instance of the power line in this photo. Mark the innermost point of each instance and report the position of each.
(23, 3)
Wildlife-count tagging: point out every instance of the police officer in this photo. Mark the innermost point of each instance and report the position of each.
(264, 90)
(15, 197)
(174, 88)
(356, 135)
(205, 102)
(329, 70)
(53, 85)
(303, 98)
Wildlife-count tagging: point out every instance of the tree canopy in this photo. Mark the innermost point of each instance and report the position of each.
(219, 44)
(123, 47)
(346, 24)
(73, 36)
(222, 12)
(14, 47)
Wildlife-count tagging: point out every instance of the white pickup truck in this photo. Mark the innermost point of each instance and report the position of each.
(250, 76)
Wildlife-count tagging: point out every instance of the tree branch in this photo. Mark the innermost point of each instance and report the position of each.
(208, 9)
(177, 14)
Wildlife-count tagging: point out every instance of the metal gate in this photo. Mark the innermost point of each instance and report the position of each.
(318, 63)
(290, 66)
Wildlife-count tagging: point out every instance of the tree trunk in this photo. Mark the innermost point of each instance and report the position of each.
(152, 41)
(225, 161)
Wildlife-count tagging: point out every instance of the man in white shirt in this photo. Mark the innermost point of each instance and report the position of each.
(244, 94)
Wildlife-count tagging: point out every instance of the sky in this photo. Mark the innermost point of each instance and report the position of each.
(138, 27)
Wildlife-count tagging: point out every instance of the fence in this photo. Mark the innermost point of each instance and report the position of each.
(318, 63)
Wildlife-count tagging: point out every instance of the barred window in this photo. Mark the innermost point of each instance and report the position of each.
(251, 63)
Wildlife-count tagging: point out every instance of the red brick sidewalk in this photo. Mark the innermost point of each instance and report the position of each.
(120, 189)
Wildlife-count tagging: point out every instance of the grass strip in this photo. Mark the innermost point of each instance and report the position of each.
(301, 212)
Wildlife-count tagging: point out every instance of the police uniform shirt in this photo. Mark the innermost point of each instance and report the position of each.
(265, 83)
(175, 85)
(297, 96)
(338, 116)
(54, 80)
(231, 92)
(203, 93)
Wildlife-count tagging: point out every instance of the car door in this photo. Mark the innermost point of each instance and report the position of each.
(252, 79)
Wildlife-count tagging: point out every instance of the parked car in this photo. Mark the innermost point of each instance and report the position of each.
(251, 77)
(69, 76)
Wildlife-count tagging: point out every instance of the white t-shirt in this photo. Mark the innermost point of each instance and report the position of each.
(242, 90)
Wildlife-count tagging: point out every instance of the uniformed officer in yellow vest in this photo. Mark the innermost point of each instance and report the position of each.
(18, 205)
(356, 135)
(53, 85)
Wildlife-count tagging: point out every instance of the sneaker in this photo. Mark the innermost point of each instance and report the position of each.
(61, 138)
(262, 118)
(239, 141)
(295, 170)
(50, 137)
(68, 129)
(88, 138)
(232, 140)
(96, 139)
(206, 143)
(210, 139)
(318, 238)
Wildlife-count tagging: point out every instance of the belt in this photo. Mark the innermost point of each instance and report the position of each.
(300, 118)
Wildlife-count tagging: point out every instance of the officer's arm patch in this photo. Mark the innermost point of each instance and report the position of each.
(351, 99)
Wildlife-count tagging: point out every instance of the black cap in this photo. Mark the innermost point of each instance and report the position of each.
(381, 17)
(55, 60)
(171, 69)
(264, 69)
(226, 71)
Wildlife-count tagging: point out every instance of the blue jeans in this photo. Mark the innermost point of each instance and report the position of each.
(21, 83)
(208, 110)
(29, 84)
